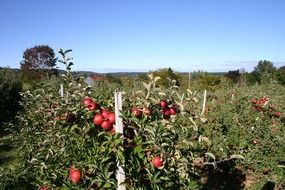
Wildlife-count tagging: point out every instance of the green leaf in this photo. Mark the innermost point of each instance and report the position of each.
(237, 156)
(70, 64)
(210, 155)
(67, 51)
(164, 144)
(107, 185)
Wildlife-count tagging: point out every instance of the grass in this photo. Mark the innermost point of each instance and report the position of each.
(8, 153)
(9, 179)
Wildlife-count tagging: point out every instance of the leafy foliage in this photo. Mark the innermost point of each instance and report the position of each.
(210, 82)
(166, 76)
(281, 75)
(264, 71)
(57, 134)
(61, 148)
(247, 121)
(10, 88)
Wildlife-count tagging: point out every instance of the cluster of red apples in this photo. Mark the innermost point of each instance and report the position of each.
(167, 110)
(104, 118)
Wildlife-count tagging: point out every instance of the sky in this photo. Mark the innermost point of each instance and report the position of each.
(145, 35)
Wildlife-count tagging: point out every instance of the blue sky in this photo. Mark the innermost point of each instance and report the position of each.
(144, 35)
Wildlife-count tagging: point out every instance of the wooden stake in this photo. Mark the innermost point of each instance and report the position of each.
(204, 102)
(118, 109)
(119, 129)
(61, 90)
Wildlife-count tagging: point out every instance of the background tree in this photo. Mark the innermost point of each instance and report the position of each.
(204, 80)
(113, 79)
(233, 75)
(166, 74)
(143, 76)
(264, 71)
(38, 62)
(252, 78)
(280, 75)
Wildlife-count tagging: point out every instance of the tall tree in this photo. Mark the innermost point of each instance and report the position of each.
(264, 71)
(281, 75)
(38, 62)
(264, 66)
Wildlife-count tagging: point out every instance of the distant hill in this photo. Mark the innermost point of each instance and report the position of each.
(16, 70)
(115, 74)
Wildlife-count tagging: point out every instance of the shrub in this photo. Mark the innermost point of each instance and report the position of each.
(10, 88)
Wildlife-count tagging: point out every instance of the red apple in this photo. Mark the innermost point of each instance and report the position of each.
(111, 117)
(105, 113)
(112, 130)
(92, 106)
(106, 124)
(157, 162)
(74, 175)
(277, 114)
(98, 119)
(166, 114)
(87, 101)
(163, 103)
(137, 112)
(253, 100)
(45, 187)
(173, 110)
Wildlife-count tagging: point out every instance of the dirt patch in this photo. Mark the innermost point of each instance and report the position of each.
(251, 179)
(225, 176)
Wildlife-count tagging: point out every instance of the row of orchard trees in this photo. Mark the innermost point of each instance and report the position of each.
(39, 64)
(166, 137)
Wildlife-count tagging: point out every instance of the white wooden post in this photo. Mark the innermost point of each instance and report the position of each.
(204, 102)
(61, 90)
(118, 109)
(119, 129)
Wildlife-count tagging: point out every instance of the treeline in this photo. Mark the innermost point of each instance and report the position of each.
(264, 73)
(39, 66)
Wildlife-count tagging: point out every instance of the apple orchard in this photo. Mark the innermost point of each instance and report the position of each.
(70, 142)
